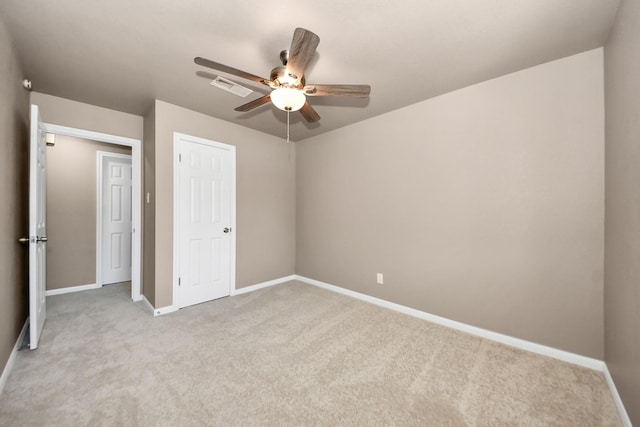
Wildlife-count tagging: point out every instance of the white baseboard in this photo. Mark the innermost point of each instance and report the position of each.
(165, 310)
(255, 287)
(172, 308)
(544, 350)
(158, 311)
(12, 357)
(70, 289)
(624, 416)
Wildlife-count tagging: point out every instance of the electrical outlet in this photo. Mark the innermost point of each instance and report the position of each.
(380, 279)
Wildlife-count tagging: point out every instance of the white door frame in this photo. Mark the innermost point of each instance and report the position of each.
(136, 204)
(100, 155)
(177, 137)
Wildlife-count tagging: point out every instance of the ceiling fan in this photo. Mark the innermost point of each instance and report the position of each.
(288, 81)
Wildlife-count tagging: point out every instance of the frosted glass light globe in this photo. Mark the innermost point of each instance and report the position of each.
(288, 99)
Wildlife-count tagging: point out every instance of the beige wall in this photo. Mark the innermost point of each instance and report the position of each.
(149, 213)
(65, 112)
(71, 210)
(265, 200)
(484, 205)
(622, 227)
(14, 164)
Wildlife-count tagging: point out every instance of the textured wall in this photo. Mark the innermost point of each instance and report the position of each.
(65, 112)
(484, 205)
(14, 164)
(149, 215)
(265, 200)
(622, 227)
(71, 210)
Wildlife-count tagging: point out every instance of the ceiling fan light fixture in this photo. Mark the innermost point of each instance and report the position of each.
(288, 99)
(288, 83)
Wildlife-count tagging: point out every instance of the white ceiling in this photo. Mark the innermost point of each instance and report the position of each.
(122, 54)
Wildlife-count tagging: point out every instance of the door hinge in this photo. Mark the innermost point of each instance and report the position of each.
(179, 282)
(179, 157)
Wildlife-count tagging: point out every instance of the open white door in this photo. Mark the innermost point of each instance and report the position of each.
(37, 228)
(204, 172)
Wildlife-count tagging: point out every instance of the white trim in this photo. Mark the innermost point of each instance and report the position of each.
(88, 134)
(164, 310)
(544, 350)
(624, 416)
(177, 137)
(176, 210)
(70, 289)
(158, 311)
(100, 156)
(136, 163)
(262, 285)
(12, 357)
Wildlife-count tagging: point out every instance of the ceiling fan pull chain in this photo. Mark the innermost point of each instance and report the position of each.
(288, 112)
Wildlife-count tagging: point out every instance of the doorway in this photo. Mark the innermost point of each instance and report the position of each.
(134, 147)
(113, 218)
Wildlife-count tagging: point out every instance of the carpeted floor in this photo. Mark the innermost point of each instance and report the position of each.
(291, 354)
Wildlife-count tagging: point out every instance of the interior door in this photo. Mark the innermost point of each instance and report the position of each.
(116, 219)
(37, 228)
(204, 180)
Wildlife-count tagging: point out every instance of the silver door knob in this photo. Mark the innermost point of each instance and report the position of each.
(41, 239)
(226, 229)
(23, 240)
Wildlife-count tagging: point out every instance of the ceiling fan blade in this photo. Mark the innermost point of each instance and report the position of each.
(359, 91)
(303, 46)
(309, 113)
(230, 70)
(253, 104)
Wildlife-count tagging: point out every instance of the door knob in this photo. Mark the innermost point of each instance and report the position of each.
(23, 240)
(226, 229)
(41, 239)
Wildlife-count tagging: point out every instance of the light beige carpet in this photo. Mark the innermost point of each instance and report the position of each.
(291, 354)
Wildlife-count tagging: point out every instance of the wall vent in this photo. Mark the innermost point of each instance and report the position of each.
(230, 86)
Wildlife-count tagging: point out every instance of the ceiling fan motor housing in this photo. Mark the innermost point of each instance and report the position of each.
(280, 77)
